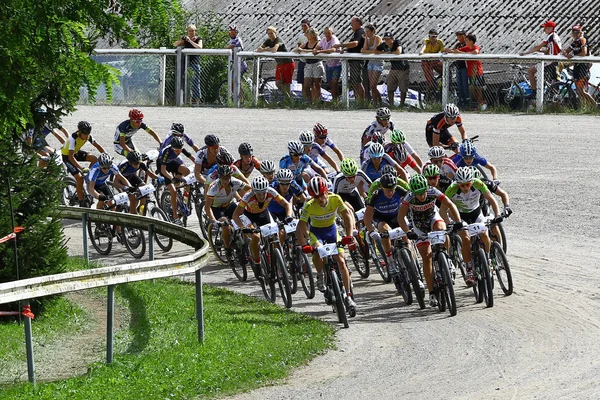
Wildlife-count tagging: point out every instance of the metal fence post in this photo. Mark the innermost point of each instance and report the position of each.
(255, 82)
(162, 77)
(151, 242)
(445, 81)
(29, 347)
(110, 314)
(178, 83)
(86, 256)
(539, 98)
(199, 309)
(237, 86)
(185, 79)
(345, 99)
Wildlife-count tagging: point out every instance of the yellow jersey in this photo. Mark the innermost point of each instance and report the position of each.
(322, 217)
(431, 48)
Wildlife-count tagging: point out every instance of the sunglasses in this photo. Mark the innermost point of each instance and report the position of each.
(285, 184)
(432, 178)
(139, 121)
(295, 154)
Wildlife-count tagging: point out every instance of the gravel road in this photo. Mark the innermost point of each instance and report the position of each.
(541, 342)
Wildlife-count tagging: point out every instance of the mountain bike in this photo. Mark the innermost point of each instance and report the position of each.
(377, 256)
(483, 289)
(498, 259)
(299, 266)
(360, 255)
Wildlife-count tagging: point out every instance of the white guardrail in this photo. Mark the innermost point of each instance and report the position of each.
(27, 289)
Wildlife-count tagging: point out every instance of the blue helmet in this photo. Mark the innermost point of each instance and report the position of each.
(467, 149)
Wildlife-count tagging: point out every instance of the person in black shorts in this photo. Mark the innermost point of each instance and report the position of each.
(436, 130)
(130, 169)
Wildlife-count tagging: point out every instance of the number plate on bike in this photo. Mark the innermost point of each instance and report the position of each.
(121, 198)
(269, 229)
(190, 179)
(327, 250)
(146, 189)
(437, 237)
(360, 214)
(291, 227)
(396, 233)
(476, 228)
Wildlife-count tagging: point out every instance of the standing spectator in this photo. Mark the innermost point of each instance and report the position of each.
(284, 71)
(474, 70)
(462, 77)
(581, 71)
(191, 41)
(375, 67)
(302, 39)
(552, 46)
(313, 70)
(431, 45)
(235, 42)
(399, 70)
(354, 45)
(333, 69)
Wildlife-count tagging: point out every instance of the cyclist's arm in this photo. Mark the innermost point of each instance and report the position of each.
(318, 169)
(402, 217)
(73, 160)
(154, 135)
(300, 198)
(339, 153)
(208, 208)
(368, 219)
(493, 170)
(121, 182)
(417, 159)
(285, 204)
(504, 196)
(435, 139)
(302, 232)
(533, 49)
(448, 206)
(58, 136)
(463, 133)
(197, 173)
(237, 213)
(64, 131)
(401, 171)
(165, 173)
(123, 143)
(92, 189)
(488, 196)
(99, 147)
(348, 218)
(331, 162)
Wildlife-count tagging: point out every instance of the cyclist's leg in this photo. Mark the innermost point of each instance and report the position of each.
(136, 182)
(226, 215)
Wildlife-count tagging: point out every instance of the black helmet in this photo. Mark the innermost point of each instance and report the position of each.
(225, 170)
(211, 140)
(84, 127)
(224, 158)
(177, 143)
(134, 157)
(176, 126)
(245, 149)
(388, 181)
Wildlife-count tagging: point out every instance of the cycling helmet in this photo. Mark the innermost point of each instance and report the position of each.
(104, 160)
(224, 158)
(349, 167)
(464, 175)
(388, 169)
(284, 175)
(245, 149)
(260, 184)
(177, 143)
(320, 130)
(307, 138)
(388, 181)
(225, 170)
(84, 127)
(451, 111)
(135, 114)
(476, 172)
(211, 140)
(383, 113)
(295, 147)
(134, 157)
(233, 28)
(436, 152)
(317, 186)
(177, 127)
(398, 137)
(467, 149)
(377, 137)
(418, 184)
(267, 166)
(431, 170)
(376, 150)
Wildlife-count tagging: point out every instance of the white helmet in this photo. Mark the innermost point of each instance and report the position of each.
(464, 175)
(376, 150)
(451, 111)
(260, 184)
(436, 152)
(284, 175)
(295, 147)
(383, 113)
(307, 138)
(267, 166)
(105, 161)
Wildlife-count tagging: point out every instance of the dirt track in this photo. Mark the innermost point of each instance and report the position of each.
(540, 342)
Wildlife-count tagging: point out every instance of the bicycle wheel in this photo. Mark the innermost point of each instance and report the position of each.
(447, 289)
(485, 281)
(382, 265)
(283, 279)
(215, 240)
(69, 193)
(413, 275)
(134, 241)
(239, 261)
(202, 217)
(456, 255)
(501, 268)
(511, 95)
(497, 234)
(290, 263)
(165, 204)
(560, 95)
(360, 258)
(101, 237)
(164, 242)
(402, 282)
(305, 273)
(267, 280)
(339, 300)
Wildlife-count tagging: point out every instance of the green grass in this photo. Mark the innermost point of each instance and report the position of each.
(248, 343)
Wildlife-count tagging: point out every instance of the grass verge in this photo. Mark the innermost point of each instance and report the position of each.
(249, 343)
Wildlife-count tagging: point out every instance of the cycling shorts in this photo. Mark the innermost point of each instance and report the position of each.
(79, 156)
(225, 211)
(172, 167)
(259, 219)
(121, 151)
(472, 217)
(354, 199)
(328, 234)
(104, 189)
(423, 231)
(445, 136)
(391, 220)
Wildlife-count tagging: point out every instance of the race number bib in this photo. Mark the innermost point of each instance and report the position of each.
(291, 227)
(437, 237)
(328, 250)
(269, 229)
(146, 189)
(190, 179)
(121, 198)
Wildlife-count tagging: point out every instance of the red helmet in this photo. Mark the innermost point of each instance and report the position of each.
(135, 114)
(319, 130)
(317, 186)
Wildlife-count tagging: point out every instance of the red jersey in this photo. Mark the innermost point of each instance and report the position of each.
(474, 67)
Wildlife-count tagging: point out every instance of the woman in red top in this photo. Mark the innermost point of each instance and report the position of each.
(474, 70)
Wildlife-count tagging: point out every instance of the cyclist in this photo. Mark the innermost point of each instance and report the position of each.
(402, 152)
(378, 159)
(224, 158)
(364, 151)
(351, 184)
(72, 154)
(171, 167)
(436, 130)
(321, 138)
(465, 193)
(254, 205)
(381, 125)
(206, 157)
(317, 226)
(494, 187)
(297, 162)
(437, 156)
(220, 201)
(39, 142)
(267, 169)
(316, 152)
(431, 172)
(97, 176)
(130, 168)
(468, 156)
(125, 130)
(247, 162)
(388, 169)
(425, 218)
(287, 187)
(178, 130)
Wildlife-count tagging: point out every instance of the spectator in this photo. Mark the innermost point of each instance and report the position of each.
(302, 39)
(191, 41)
(474, 70)
(581, 71)
(431, 45)
(285, 66)
(399, 70)
(333, 69)
(375, 67)
(313, 70)
(354, 45)
(235, 42)
(462, 77)
(550, 45)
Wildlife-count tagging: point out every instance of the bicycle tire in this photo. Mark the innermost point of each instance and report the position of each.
(238, 262)
(164, 242)
(562, 95)
(165, 204)
(339, 306)
(501, 268)
(413, 276)
(512, 96)
(305, 272)
(267, 282)
(96, 231)
(364, 270)
(69, 192)
(359, 264)
(402, 285)
(134, 241)
(382, 267)
(215, 241)
(448, 287)
(456, 255)
(500, 239)
(488, 294)
(283, 280)
(291, 266)
(479, 286)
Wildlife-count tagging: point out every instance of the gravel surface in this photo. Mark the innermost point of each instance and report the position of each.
(541, 342)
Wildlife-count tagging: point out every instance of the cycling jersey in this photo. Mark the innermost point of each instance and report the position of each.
(298, 167)
(342, 185)
(253, 206)
(202, 160)
(376, 127)
(247, 170)
(400, 153)
(466, 202)
(126, 129)
(218, 192)
(213, 174)
(423, 211)
(75, 143)
(387, 206)
(376, 185)
(295, 190)
(322, 217)
(478, 160)
(438, 123)
(316, 151)
(127, 170)
(170, 137)
(168, 155)
(97, 175)
(373, 173)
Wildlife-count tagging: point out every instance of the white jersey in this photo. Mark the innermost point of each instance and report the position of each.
(341, 185)
(377, 127)
(219, 194)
